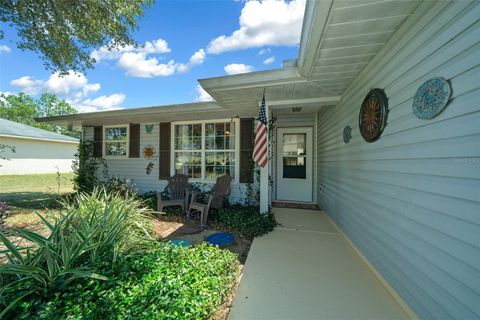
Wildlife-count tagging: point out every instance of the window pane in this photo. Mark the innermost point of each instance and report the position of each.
(294, 144)
(188, 137)
(294, 167)
(115, 148)
(189, 163)
(219, 163)
(115, 134)
(220, 136)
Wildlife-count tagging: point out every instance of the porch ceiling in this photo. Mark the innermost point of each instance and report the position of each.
(339, 38)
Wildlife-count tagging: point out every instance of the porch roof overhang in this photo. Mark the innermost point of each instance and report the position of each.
(187, 111)
(339, 39)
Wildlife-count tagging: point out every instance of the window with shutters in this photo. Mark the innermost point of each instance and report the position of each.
(115, 141)
(205, 150)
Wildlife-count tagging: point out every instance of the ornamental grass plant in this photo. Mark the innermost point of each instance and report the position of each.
(90, 230)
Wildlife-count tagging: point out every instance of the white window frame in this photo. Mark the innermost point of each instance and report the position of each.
(203, 150)
(104, 141)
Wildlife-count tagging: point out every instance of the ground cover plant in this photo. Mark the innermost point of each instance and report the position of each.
(247, 221)
(166, 282)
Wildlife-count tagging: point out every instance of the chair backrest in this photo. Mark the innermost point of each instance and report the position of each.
(221, 190)
(177, 185)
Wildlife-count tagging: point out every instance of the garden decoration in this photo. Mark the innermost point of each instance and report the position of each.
(149, 168)
(149, 128)
(347, 134)
(372, 118)
(221, 239)
(149, 152)
(431, 98)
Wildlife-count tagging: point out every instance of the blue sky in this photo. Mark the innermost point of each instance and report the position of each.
(180, 42)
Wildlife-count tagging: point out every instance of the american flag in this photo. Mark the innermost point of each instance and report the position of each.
(260, 150)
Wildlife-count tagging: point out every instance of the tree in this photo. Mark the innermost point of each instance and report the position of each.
(24, 109)
(63, 32)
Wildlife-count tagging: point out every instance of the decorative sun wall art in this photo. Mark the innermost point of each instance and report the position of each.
(372, 118)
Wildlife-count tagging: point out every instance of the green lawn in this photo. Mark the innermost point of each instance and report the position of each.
(34, 191)
(26, 194)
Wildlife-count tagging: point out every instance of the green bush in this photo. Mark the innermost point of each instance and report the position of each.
(167, 282)
(86, 168)
(125, 188)
(245, 220)
(89, 230)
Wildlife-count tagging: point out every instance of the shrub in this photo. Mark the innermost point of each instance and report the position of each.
(85, 167)
(245, 220)
(114, 222)
(91, 229)
(167, 282)
(125, 188)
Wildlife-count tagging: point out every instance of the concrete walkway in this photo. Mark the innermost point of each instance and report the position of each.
(307, 270)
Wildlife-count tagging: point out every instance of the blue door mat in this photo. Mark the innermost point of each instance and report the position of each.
(221, 239)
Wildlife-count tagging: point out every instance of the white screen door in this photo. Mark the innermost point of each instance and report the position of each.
(294, 164)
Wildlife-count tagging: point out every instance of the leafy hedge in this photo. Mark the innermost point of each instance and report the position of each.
(168, 282)
(245, 220)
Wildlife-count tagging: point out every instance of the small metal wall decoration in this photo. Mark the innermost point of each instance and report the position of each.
(372, 118)
(149, 128)
(149, 168)
(347, 134)
(431, 98)
(149, 152)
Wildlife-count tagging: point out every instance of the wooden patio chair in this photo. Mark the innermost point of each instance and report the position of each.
(217, 194)
(177, 190)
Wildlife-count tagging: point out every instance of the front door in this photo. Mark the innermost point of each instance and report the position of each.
(294, 164)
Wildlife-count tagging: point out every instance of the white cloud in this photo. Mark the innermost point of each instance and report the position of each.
(269, 60)
(138, 65)
(236, 68)
(202, 95)
(102, 103)
(4, 48)
(137, 62)
(196, 59)
(263, 51)
(28, 85)
(74, 88)
(149, 47)
(264, 23)
(63, 85)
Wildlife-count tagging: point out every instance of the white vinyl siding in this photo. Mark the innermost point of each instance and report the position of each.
(411, 200)
(134, 168)
(36, 156)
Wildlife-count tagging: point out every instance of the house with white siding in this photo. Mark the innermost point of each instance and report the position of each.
(30, 150)
(377, 121)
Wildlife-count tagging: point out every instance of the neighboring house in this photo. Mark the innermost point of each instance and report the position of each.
(409, 201)
(36, 150)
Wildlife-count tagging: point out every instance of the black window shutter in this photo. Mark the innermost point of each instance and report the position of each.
(164, 150)
(97, 142)
(246, 150)
(134, 143)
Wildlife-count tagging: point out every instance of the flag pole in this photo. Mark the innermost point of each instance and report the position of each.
(264, 171)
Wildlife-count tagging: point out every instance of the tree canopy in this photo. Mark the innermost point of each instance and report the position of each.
(24, 109)
(63, 32)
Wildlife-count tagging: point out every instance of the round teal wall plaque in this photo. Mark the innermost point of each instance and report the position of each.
(431, 98)
(347, 134)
